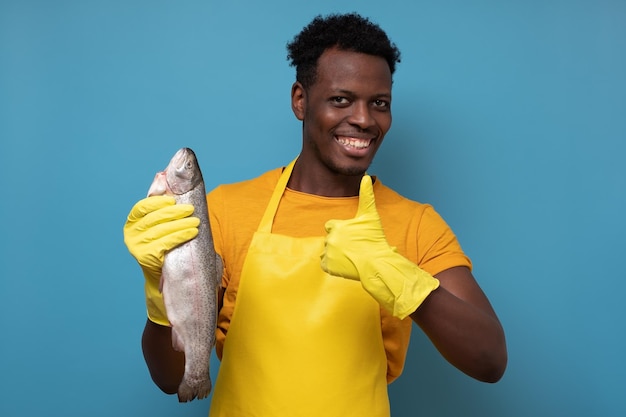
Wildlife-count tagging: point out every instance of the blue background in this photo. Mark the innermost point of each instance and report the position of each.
(509, 117)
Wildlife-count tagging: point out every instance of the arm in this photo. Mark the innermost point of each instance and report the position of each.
(154, 226)
(166, 365)
(459, 320)
(450, 308)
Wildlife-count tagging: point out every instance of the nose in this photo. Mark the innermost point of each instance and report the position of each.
(361, 115)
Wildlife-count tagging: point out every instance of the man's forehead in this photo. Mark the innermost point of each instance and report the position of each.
(349, 67)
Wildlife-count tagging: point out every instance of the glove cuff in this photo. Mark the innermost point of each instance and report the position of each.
(397, 284)
(155, 305)
(418, 285)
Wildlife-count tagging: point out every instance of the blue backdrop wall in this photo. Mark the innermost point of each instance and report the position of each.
(509, 117)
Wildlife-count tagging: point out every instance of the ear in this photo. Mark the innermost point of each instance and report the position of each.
(298, 100)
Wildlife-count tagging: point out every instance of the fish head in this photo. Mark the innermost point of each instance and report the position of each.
(183, 172)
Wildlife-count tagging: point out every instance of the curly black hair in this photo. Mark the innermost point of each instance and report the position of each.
(348, 32)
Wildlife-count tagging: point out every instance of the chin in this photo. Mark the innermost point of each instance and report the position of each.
(354, 171)
(350, 169)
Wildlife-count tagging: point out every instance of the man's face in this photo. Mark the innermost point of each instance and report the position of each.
(345, 113)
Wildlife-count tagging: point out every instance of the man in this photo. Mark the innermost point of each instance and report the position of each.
(325, 268)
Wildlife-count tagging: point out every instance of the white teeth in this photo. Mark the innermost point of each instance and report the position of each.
(354, 143)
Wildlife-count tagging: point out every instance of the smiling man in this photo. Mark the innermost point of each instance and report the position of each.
(345, 115)
(325, 268)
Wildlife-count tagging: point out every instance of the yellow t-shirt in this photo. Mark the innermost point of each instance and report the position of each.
(415, 229)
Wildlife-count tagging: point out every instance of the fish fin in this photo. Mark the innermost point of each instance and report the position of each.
(219, 269)
(205, 389)
(159, 185)
(188, 390)
(177, 341)
(185, 393)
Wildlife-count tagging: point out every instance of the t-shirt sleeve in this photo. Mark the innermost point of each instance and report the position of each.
(437, 246)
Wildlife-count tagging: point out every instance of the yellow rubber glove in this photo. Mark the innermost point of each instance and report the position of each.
(154, 226)
(357, 249)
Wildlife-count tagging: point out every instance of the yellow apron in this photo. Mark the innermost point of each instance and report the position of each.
(300, 342)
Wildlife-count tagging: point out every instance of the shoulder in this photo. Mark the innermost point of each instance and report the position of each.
(237, 208)
(399, 209)
(235, 211)
(249, 193)
(400, 215)
(389, 200)
(418, 231)
(263, 183)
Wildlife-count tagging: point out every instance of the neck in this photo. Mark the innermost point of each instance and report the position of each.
(323, 183)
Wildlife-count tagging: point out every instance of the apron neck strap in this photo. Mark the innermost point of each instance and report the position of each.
(272, 207)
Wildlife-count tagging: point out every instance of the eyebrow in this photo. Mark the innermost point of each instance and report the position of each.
(352, 93)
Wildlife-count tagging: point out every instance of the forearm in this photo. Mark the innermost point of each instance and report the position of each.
(466, 331)
(166, 365)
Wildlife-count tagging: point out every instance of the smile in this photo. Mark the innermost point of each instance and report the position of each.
(354, 142)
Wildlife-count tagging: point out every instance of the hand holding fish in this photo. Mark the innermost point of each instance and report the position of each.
(182, 269)
(154, 226)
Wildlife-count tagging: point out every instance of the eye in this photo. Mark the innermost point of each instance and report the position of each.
(381, 104)
(339, 100)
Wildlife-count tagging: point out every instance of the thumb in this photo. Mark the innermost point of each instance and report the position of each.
(367, 203)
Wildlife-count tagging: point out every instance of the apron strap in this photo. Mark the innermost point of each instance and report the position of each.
(272, 207)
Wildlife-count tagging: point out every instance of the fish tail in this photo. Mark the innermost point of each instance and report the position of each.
(188, 390)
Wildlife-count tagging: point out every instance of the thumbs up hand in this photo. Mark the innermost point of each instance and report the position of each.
(350, 242)
(357, 249)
